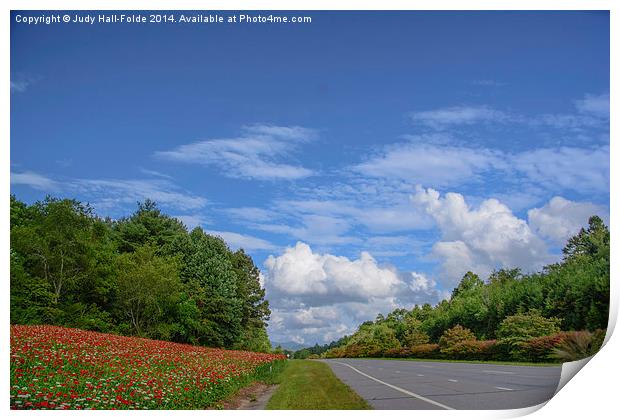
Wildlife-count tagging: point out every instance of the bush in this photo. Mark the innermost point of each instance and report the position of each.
(515, 330)
(397, 352)
(415, 338)
(425, 351)
(578, 345)
(540, 349)
(453, 336)
(473, 350)
(518, 328)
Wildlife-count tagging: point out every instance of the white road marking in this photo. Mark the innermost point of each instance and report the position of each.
(426, 366)
(452, 380)
(504, 389)
(420, 374)
(499, 371)
(404, 391)
(398, 371)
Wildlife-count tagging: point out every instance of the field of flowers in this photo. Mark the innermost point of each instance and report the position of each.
(65, 368)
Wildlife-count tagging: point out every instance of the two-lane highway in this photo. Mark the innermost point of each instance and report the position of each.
(408, 385)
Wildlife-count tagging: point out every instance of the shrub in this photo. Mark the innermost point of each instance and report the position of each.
(517, 329)
(540, 348)
(577, 345)
(425, 351)
(453, 336)
(472, 350)
(415, 338)
(397, 352)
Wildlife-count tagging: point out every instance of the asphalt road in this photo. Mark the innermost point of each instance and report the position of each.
(407, 385)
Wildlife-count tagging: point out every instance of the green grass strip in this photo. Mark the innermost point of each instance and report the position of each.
(311, 385)
(483, 362)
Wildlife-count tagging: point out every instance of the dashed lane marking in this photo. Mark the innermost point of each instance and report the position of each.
(404, 391)
(499, 371)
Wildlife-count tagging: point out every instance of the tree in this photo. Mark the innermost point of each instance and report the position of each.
(470, 281)
(516, 329)
(148, 225)
(211, 281)
(592, 241)
(57, 243)
(454, 336)
(148, 289)
(254, 308)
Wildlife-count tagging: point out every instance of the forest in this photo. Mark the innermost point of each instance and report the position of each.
(560, 313)
(144, 275)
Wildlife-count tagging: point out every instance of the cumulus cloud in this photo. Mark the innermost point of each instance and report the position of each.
(479, 239)
(301, 272)
(257, 154)
(322, 296)
(560, 218)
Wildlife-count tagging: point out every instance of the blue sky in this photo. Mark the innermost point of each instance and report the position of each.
(365, 160)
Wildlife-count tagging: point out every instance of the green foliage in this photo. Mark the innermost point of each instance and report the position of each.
(469, 282)
(144, 274)
(518, 328)
(453, 336)
(148, 291)
(516, 316)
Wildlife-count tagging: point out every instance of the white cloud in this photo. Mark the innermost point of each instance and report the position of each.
(481, 239)
(253, 214)
(247, 242)
(597, 105)
(155, 173)
(458, 115)
(570, 168)
(34, 180)
(109, 193)
(397, 217)
(487, 82)
(300, 272)
(317, 229)
(257, 154)
(578, 169)
(560, 218)
(431, 164)
(192, 221)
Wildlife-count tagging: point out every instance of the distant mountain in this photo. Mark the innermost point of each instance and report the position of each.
(289, 345)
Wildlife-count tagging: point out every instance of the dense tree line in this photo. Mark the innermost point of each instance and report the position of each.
(141, 275)
(507, 314)
(317, 349)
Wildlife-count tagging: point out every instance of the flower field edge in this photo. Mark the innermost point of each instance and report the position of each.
(64, 368)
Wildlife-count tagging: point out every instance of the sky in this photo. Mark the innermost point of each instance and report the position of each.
(365, 160)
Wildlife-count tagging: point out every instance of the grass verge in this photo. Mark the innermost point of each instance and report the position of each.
(311, 385)
(483, 362)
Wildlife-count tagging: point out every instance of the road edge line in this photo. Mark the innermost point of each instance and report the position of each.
(404, 391)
